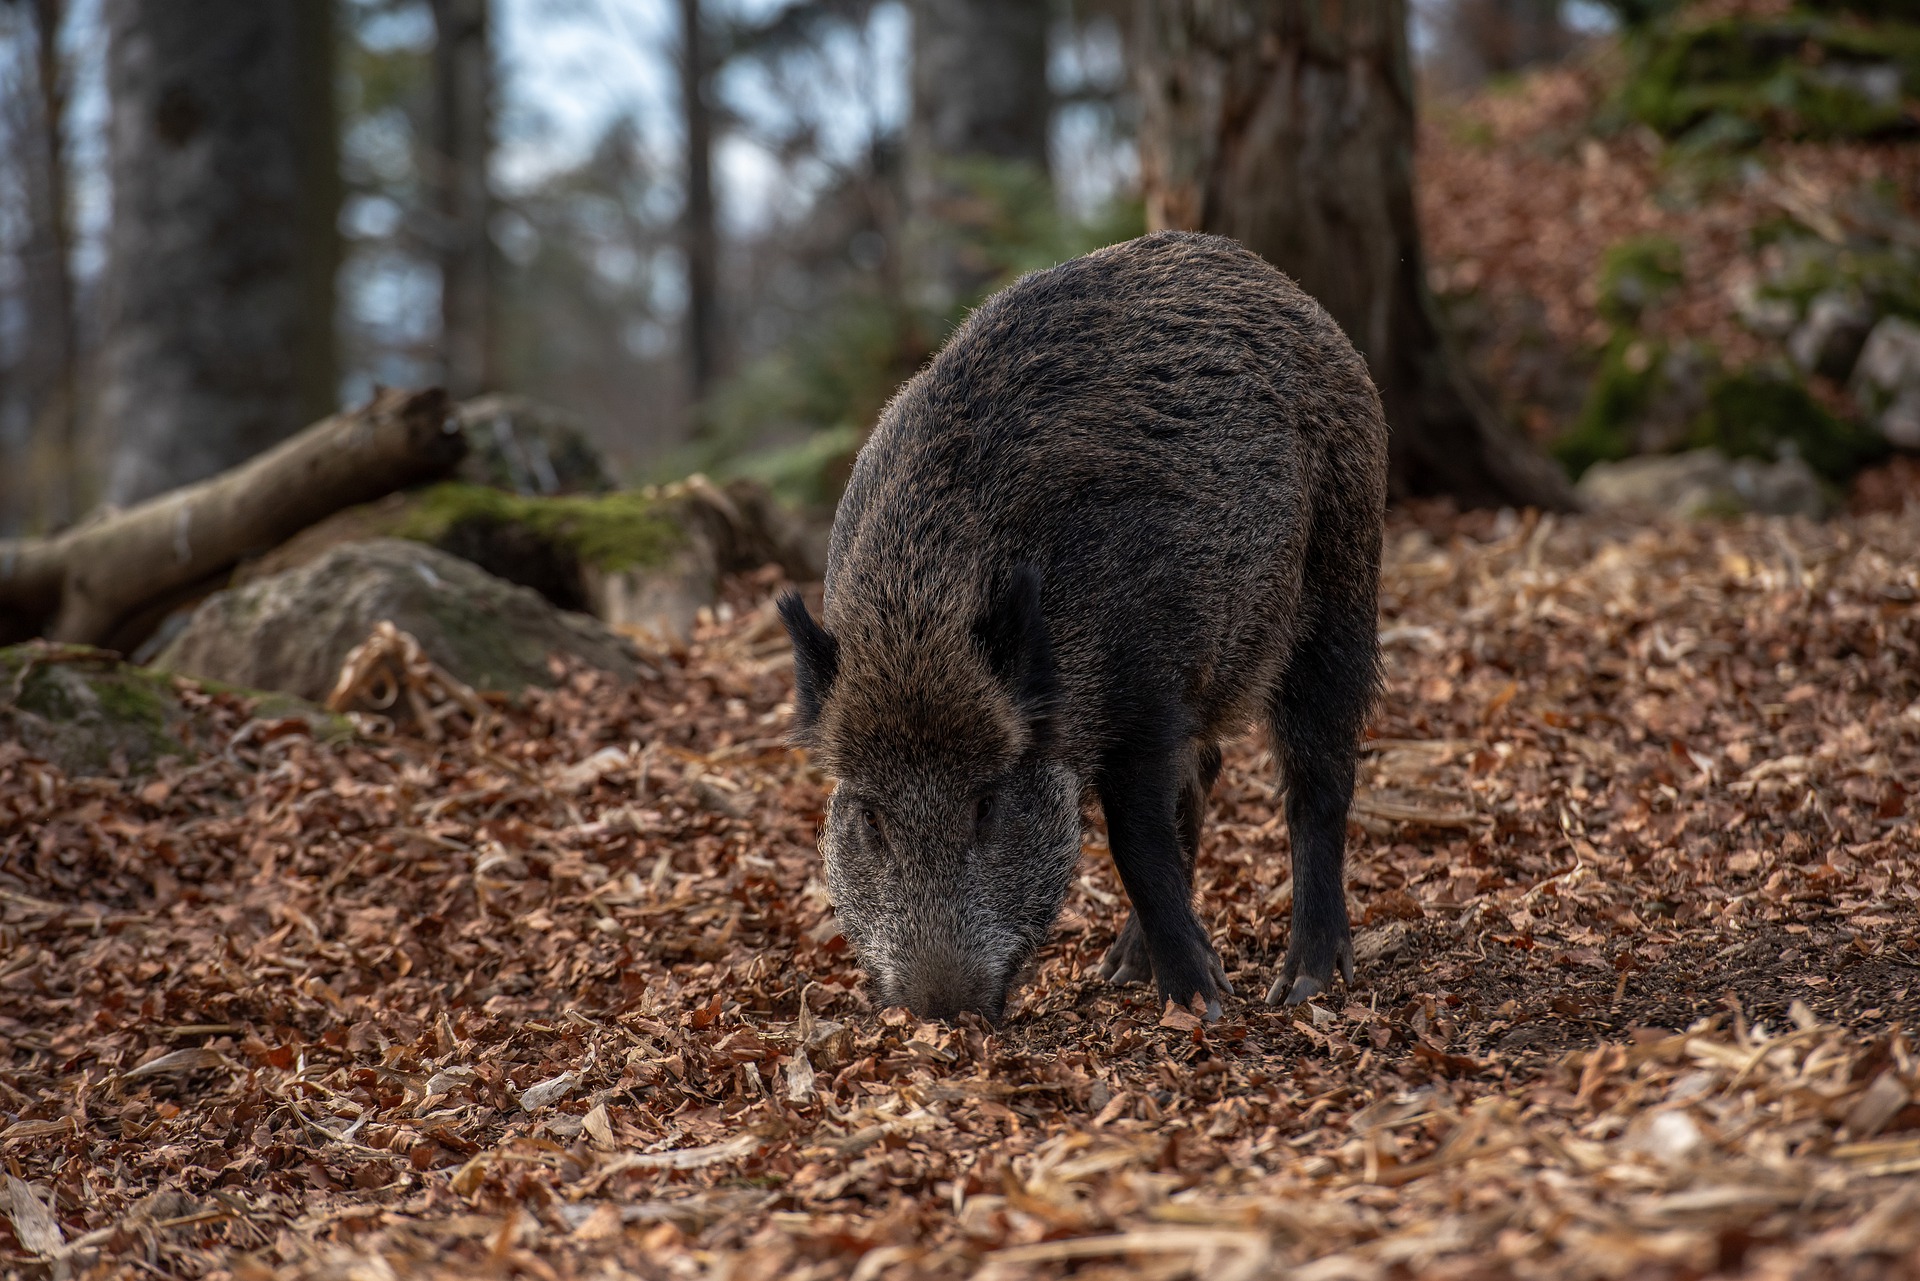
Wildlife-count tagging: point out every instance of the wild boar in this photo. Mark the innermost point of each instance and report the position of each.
(1131, 507)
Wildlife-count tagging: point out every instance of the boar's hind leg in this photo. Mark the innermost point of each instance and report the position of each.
(1143, 794)
(1128, 960)
(1318, 714)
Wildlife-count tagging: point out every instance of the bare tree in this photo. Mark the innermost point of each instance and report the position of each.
(463, 198)
(980, 101)
(699, 235)
(317, 59)
(1289, 127)
(47, 371)
(219, 292)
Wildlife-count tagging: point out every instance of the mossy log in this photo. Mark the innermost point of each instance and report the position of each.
(643, 558)
(107, 581)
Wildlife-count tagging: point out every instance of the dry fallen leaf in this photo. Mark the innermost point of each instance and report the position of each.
(316, 1009)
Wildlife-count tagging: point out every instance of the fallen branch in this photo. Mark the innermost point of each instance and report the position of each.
(87, 583)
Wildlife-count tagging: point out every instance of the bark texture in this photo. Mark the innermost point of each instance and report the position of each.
(219, 275)
(699, 236)
(462, 151)
(1289, 127)
(979, 101)
(94, 578)
(52, 356)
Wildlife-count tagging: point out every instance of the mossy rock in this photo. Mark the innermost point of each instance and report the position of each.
(91, 713)
(292, 631)
(1647, 399)
(1760, 413)
(1887, 275)
(1799, 75)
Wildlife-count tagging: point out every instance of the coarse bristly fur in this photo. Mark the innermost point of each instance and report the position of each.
(1133, 505)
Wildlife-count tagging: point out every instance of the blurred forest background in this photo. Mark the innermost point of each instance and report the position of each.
(718, 233)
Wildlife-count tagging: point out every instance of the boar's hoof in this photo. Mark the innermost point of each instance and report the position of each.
(1127, 960)
(1218, 969)
(1305, 988)
(1301, 979)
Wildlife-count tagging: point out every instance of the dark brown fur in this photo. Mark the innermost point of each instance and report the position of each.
(1132, 506)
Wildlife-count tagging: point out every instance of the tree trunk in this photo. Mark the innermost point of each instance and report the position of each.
(462, 152)
(54, 339)
(1289, 127)
(219, 229)
(317, 392)
(980, 101)
(698, 232)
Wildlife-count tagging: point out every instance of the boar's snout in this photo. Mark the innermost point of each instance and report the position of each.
(945, 994)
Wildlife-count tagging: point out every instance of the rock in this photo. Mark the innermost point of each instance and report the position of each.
(1704, 482)
(89, 713)
(1788, 487)
(1765, 314)
(1829, 340)
(291, 631)
(524, 447)
(1886, 381)
(1877, 83)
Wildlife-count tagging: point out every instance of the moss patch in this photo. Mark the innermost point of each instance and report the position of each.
(1886, 275)
(609, 531)
(1621, 395)
(1801, 75)
(1635, 273)
(89, 712)
(1754, 414)
(69, 682)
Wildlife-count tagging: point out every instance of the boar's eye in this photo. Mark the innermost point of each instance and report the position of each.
(870, 818)
(983, 811)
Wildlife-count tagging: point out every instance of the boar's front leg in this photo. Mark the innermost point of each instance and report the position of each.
(1140, 793)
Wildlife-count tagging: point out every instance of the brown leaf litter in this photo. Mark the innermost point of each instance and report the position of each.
(559, 994)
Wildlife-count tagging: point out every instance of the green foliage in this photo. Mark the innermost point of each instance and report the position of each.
(1759, 414)
(609, 531)
(1005, 222)
(795, 418)
(1634, 274)
(1621, 394)
(809, 473)
(809, 401)
(1731, 81)
(1886, 274)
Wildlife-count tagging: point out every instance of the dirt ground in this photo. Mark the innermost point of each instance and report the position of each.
(1634, 883)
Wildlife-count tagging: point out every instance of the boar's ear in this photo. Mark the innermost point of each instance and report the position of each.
(816, 661)
(1013, 634)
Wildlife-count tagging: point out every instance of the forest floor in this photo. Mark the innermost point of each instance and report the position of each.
(1524, 196)
(1635, 885)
